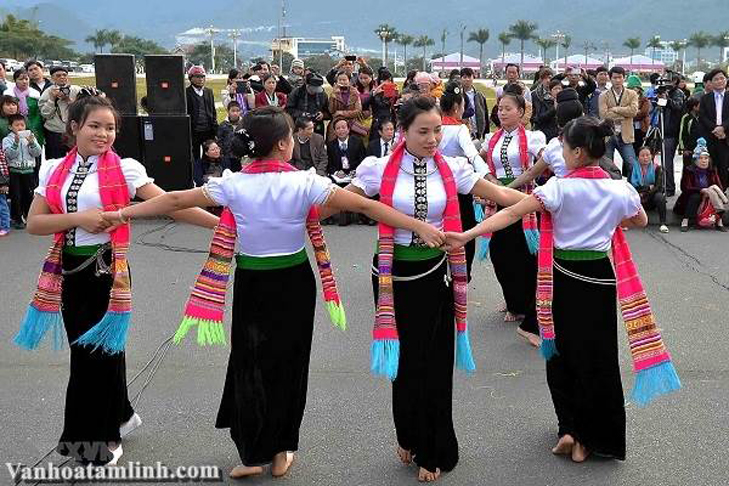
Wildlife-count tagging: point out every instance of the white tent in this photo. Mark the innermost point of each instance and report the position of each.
(453, 61)
(531, 63)
(639, 63)
(576, 60)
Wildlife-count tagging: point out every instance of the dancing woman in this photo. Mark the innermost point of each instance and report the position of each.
(269, 205)
(417, 300)
(511, 151)
(578, 289)
(85, 284)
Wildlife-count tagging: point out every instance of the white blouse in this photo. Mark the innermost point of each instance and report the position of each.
(554, 157)
(88, 194)
(369, 179)
(586, 212)
(536, 141)
(456, 142)
(270, 209)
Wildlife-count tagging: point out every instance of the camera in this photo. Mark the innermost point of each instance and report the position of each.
(309, 116)
(241, 87)
(65, 90)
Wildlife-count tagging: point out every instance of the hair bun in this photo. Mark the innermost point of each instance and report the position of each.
(605, 128)
(567, 94)
(244, 145)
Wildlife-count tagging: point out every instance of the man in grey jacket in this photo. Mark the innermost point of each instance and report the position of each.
(53, 105)
(309, 147)
(479, 123)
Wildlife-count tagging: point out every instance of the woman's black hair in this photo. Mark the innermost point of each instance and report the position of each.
(645, 147)
(19, 72)
(588, 133)
(384, 75)
(88, 101)
(452, 96)
(302, 122)
(413, 107)
(554, 83)
(358, 84)
(411, 76)
(232, 74)
(340, 73)
(692, 103)
(266, 77)
(514, 92)
(7, 99)
(206, 145)
(261, 130)
(568, 106)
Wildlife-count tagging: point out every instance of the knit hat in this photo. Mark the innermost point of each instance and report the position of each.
(196, 71)
(634, 82)
(56, 69)
(700, 148)
(297, 63)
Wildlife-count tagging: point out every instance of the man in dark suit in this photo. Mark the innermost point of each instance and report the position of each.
(309, 147)
(201, 108)
(382, 146)
(345, 152)
(714, 122)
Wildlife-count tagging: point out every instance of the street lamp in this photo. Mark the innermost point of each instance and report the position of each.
(234, 35)
(211, 32)
(384, 36)
(463, 29)
(559, 37)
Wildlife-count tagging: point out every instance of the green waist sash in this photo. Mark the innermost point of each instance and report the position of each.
(247, 262)
(581, 255)
(416, 253)
(88, 250)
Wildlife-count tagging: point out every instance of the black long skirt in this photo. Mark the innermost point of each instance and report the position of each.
(584, 378)
(468, 221)
(516, 271)
(268, 370)
(97, 402)
(422, 393)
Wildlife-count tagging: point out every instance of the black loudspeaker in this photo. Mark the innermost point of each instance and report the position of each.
(168, 150)
(116, 76)
(129, 139)
(165, 85)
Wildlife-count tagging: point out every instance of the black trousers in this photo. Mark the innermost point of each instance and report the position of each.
(692, 206)
(656, 201)
(268, 371)
(55, 146)
(21, 195)
(422, 393)
(97, 402)
(584, 378)
(719, 151)
(516, 271)
(468, 221)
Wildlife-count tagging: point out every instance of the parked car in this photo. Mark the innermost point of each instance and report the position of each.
(11, 64)
(86, 68)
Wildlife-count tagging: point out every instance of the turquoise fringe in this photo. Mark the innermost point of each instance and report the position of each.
(478, 211)
(34, 327)
(384, 357)
(548, 349)
(483, 248)
(532, 239)
(653, 382)
(464, 357)
(110, 334)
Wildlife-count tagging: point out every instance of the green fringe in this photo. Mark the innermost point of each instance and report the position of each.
(337, 315)
(208, 332)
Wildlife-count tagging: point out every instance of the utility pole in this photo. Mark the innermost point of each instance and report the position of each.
(211, 32)
(234, 36)
(559, 37)
(463, 29)
(281, 18)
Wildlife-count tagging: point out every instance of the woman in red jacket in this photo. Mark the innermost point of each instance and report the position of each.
(269, 96)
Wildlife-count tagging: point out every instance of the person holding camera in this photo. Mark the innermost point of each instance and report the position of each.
(670, 100)
(346, 64)
(578, 80)
(310, 101)
(53, 104)
(239, 89)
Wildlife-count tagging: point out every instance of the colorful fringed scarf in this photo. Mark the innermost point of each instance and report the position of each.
(206, 305)
(655, 374)
(385, 349)
(44, 312)
(529, 221)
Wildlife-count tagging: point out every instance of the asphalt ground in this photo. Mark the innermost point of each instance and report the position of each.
(503, 414)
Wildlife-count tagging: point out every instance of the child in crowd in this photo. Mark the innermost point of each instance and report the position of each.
(8, 106)
(21, 149)
(700, 185)
(4, 188)
(646, 176)
(226, 133)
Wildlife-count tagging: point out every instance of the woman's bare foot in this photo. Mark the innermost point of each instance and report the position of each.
(243, 471)
(425, 476)
(564, 446)
(579, 452)
(281, 463)
(509, 317)
(532, 338)
(406, 457)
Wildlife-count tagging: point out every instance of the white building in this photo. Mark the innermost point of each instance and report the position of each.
(664, 54)
(302, 48)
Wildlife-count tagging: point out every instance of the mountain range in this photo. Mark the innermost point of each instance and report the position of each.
(584, 20)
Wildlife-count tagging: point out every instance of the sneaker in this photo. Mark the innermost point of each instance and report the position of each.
(663, 228)
(721, 228)
(4, 233)
(18, 225)
(127, 427)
